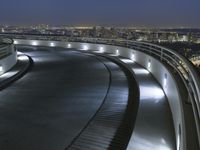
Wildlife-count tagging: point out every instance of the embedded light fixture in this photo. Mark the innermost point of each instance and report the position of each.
(1, 68)
(68, 45)
(165, 80)
(34, 43)
(133, 57)
(101, 49)
(85, 47)
(149, 64)
(15, 42)
(52, 44)
(117, 52)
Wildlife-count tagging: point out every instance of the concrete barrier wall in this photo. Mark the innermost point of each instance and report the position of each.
(9, 61)
(158, 70)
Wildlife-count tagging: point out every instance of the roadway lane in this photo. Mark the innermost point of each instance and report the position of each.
(154, 129)
(48, 107)
(112, 125)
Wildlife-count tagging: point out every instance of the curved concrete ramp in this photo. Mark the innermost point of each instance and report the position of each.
(49, 106)
(154, 128)
(61, 99)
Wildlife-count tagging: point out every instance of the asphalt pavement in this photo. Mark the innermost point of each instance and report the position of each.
(50, 104)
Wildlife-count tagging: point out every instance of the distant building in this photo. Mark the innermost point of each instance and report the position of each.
(183, 38)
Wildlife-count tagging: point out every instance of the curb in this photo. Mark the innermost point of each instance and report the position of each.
(21, 68)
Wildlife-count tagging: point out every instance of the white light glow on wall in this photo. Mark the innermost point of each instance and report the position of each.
(15, 42)
(34, 43)
(133, 57)
(152, 92)
(141, 71)
(149, 64)
(127, 61)
(165, 80)
(101, 49)
(68, 45)
(117, 52)
(1, 68)
(52, 44)
(85, 47)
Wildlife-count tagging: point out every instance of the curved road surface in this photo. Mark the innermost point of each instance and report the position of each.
(50, 105)
(47, 108)
(75, 100)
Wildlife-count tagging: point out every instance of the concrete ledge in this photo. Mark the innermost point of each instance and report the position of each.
(18, 70)
(9, 61)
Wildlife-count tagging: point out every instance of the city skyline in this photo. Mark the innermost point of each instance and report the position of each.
(143, 13)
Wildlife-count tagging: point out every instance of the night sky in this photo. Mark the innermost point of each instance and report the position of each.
(149, 13)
